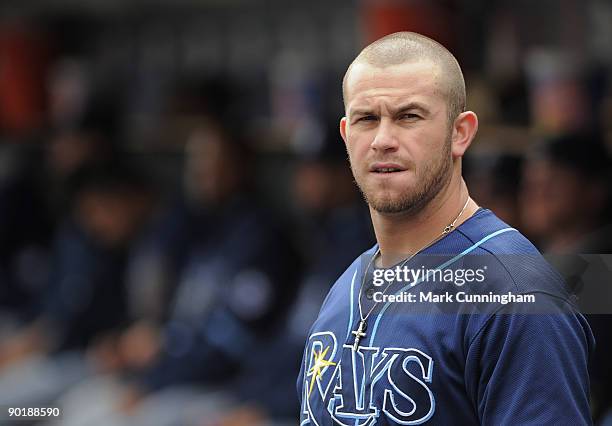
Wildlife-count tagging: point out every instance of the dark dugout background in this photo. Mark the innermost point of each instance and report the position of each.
(175, 199)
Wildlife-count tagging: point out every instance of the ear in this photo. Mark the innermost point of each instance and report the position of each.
(343, 125)
(464, 130)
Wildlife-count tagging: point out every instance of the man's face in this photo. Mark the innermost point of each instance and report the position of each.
(397, 134)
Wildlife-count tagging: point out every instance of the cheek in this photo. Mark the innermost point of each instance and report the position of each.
(426, 149)
(357, 147)
(427, 137)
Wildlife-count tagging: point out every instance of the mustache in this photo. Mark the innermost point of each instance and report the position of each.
(404, 162)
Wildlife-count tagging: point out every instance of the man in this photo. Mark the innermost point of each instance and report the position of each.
(369, 361)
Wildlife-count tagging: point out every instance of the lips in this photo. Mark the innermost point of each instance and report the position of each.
(386, 168)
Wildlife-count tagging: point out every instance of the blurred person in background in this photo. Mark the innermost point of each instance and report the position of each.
(565, 195)
(85, 299)
(35, 196)
(494, 180)
(565, 206)
(26, 231)
(83, 136)
(235, 277)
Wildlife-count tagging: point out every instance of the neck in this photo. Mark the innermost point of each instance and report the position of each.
(400, 235)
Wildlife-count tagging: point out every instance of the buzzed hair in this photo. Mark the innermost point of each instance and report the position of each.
(402, 47)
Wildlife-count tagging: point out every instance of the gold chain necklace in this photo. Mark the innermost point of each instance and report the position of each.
(363, 324)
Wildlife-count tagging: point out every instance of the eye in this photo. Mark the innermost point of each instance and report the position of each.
(409, 116)
(368, 118)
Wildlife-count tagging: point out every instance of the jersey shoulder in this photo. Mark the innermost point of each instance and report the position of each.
(517, 259)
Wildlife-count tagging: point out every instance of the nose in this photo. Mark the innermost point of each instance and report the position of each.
(385, 138)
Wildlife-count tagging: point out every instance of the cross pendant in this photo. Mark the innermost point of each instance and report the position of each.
(359, 333)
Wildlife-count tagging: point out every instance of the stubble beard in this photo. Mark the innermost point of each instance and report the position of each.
(428, 184)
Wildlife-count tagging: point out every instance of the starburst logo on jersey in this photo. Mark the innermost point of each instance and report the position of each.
(320, 363)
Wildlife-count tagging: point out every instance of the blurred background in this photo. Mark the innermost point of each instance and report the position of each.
(175, 199)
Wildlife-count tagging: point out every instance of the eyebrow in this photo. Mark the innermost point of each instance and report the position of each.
(410, 106)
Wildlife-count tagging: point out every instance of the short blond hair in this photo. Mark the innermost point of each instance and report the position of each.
(399, 48)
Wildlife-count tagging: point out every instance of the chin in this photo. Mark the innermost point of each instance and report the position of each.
(390, 205)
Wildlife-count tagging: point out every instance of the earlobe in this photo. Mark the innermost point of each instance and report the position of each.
(343, 129)
(464, 130)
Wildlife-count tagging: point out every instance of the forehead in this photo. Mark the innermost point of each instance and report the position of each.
(419, 81)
